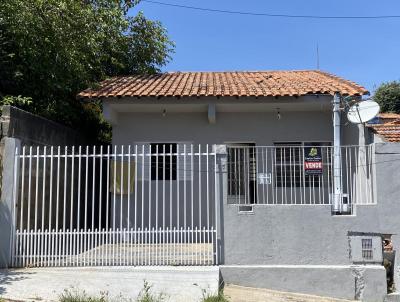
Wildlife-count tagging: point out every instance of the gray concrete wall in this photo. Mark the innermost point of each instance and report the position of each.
(261, 128)
(366, 283)
(20, 128)
(304, 235)
(35, 130)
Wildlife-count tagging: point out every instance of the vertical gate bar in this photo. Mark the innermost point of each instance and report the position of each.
(191, 187)
(255, 176)
(347, 171)
(200, 201)
(65, 201)
(129, 241)
(157, 181)
(284, 187)
(149, 156)
(35, 243)
(184, 186)
(21, 203)
(292, 183)
(122, 228)
(142, 162)
(101, 207)
(79, 188)
(71, 222)
(108, 190)
(323, 152)
(170, 185)
(93, 190)
(36, 189)
(121, 187)
(114, 197)
(58, 242)
(85, 239)
(136, 195)
(29, 189)
(216, 201)
(207, 187)
(163, 204)
(50, 228)
(274, 176)
(129, 190)
(178, 177)
(246, 174)
(264, 172)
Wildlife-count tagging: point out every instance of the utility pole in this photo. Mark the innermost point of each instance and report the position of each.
(337, 156)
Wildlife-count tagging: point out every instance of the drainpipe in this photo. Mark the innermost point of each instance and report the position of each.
(337, 157)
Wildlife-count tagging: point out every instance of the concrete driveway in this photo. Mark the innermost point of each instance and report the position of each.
(178, 284)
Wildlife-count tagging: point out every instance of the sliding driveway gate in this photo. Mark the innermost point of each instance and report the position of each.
(150, 204)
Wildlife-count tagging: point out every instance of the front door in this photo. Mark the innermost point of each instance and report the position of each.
(242, 173)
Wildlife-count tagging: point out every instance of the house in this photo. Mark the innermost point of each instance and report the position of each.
(387, 127)
(243, 170)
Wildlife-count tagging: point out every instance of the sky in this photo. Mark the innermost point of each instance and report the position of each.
(366, 51)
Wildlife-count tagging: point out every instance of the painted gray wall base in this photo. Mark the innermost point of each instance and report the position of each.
(366, 283)
(310, 235)
(6, 202)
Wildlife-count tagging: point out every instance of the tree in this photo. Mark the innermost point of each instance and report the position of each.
(388, 96)
(52, 49)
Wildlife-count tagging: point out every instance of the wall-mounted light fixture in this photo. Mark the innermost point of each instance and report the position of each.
(278, 113)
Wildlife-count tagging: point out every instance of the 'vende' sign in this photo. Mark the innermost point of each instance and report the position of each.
(312, 161)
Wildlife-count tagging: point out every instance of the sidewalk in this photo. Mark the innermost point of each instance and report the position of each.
(247, 294)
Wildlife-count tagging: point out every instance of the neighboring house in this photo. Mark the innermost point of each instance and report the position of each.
(387, 127)
(236, 169)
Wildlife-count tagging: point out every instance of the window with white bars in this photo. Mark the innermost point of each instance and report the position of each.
(163, 161)
(366, 249)
(289, 164)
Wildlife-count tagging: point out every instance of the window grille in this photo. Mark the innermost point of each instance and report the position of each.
(163, 161)
(289, 165)
(366, 249)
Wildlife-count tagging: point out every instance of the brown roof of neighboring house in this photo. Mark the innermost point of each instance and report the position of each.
(389, 128)
(238, 84)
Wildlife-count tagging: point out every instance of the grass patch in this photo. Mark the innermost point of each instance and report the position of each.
(75, 295)
(146, 295)
(220, 297)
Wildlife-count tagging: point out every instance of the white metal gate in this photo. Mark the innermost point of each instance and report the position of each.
(150, 204)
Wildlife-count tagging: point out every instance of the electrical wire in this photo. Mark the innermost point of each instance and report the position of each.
(269, 14)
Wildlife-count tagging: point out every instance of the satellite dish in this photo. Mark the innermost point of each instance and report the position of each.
(363, 112)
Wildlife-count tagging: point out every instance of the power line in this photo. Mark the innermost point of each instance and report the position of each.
(268, 14)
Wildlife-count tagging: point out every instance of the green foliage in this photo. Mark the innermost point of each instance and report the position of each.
(74, 295)
(18, 101)
(388, 96)
(146, 295)
(50, 50)
(220, 297)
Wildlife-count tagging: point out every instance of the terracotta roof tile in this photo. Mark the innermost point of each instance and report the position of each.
(389, 130)
(242, 83)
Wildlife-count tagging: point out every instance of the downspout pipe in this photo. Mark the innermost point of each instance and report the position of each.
(337, 157)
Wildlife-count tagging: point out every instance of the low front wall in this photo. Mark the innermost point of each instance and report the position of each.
(296, 234)
(304, 236)
(365, 283)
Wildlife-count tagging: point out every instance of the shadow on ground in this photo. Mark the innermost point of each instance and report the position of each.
(9, 276)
